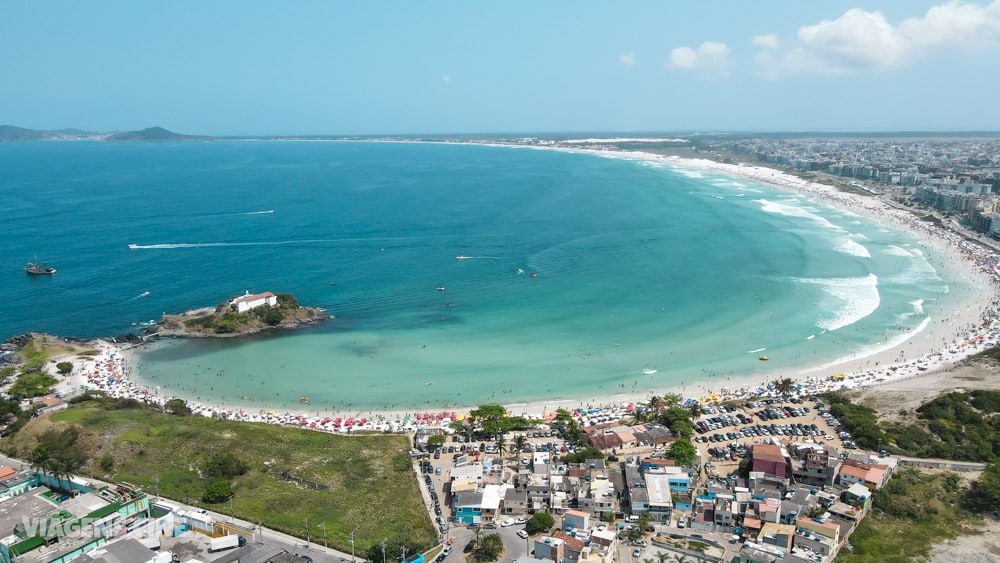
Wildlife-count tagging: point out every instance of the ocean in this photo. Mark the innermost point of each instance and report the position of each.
(583, 275)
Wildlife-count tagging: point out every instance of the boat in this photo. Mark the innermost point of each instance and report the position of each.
(36, 269)
(531, 274)
(304, 400)
(441, 288)
(461, 257)
(648, 371)
(133, 246)
(763, 358)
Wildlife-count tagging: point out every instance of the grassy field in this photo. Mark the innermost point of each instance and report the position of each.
(912, 513)
(369, 482)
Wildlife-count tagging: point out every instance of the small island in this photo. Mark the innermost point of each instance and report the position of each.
(239, 316)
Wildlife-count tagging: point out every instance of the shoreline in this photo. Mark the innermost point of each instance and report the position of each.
(938, 345)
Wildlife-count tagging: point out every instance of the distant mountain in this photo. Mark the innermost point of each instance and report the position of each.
(151, 134)
(11, 133)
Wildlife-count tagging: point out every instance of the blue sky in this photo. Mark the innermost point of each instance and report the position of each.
(500, 67)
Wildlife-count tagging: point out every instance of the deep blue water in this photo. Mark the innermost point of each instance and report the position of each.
(637, 266)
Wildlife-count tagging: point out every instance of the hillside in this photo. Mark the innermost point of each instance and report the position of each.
(362, 483)
(152, 134)
(12, 133)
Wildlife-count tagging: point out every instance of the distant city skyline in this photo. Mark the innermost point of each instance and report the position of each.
(397, 68)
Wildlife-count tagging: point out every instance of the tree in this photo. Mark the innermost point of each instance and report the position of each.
(490, 548)
(57, 452)
(436, 440)
(501, 444)
(177, 406)
(784, 386)
(490, 418)
(678, 420)
(64, 367)
(989, 484)
(225, 465)
(520, 441)
(217, 490)
(32, 384)
(682, 451)
(563, 415)
(540, 522)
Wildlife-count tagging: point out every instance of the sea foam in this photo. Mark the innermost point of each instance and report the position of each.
(853, 248)
(858, 298)
(794, 211)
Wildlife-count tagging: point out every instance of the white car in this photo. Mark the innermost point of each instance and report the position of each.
(520, 520)
(506, 523)
(522, 534)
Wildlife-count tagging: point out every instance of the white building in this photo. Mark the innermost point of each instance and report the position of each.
(246, 302)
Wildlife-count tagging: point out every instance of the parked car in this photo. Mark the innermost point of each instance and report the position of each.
(637, 552)
(520, 520)
(522, 534)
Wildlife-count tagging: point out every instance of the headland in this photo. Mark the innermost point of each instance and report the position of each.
(241, 315)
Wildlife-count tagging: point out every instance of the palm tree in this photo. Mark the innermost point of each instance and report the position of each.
(520, 441)
(784, 386)
(662, 556)
(501, 443)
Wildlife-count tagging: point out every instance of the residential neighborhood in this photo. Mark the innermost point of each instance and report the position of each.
(804, 488)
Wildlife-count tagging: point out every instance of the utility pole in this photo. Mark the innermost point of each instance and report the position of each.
(307, 532)
(156, 480)
(352, 547)
(383, 551)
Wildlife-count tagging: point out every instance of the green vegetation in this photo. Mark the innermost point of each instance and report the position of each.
(225, 319)
(488, 548)
(539, 523)
(58, 452)
(32, 384)
(33, 356)
(861, 421)
(491, 420)
(64, 367)
(988, 487)
(583, 455)
(957, 425)
(909, 515)
(682, 451)
(365, 482)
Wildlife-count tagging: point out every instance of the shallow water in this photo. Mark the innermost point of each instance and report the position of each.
(644, 275)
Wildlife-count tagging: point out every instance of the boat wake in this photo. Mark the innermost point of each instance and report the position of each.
(758, 350)
(477, 258)
(258, 212)
(140, 296)
(256, 243)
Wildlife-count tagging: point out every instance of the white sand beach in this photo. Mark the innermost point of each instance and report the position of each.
(937, 346)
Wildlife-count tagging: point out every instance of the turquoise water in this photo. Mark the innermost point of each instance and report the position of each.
(637, 266)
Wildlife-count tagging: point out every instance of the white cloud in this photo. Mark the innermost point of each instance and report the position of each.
(769, 41)
(711, 57)
(860, 40)
(627, 60)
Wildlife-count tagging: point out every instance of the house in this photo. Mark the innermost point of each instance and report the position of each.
(769, 459)
(814, 464)
(548, 547)
(247, 301)
(858, 495)
(573, 548)
(515, 501)
(468, 506)
(576, 520)
(661, 504)
(852, 471)
(818, 535)
(778, 535)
